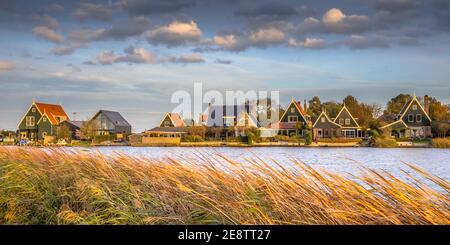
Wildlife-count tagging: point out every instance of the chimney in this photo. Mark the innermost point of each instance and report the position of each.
(304, 106)
(426, 105)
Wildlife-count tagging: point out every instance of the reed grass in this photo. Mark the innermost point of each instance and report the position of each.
(51, 186)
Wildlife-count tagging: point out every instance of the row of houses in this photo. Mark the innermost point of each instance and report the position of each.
(413, 121)
(42, 121)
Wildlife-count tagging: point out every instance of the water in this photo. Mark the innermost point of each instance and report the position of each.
(342, 160)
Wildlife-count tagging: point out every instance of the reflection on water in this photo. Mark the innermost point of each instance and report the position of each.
(435, 161)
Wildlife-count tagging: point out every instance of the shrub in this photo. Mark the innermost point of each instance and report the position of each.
(308, 137)
(384, 142)
(250, 138)
(374, 133)
(441, 142)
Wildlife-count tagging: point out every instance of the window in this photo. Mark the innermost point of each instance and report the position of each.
(410, 118)
(166, 123)
(292, 118)
(44, 119)
(341, 121)
(347, 121)
(44, 134)
(349, 133)
(419, 118)
(292, 110)
(33, 109)
(322, 119)
(30, 121)
(414, 107)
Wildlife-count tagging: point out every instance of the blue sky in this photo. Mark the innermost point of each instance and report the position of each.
(131, 55)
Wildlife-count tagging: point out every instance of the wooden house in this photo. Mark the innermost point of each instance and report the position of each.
(412, 121)
(40, 121)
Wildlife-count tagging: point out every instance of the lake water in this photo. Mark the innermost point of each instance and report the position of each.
(435, 161)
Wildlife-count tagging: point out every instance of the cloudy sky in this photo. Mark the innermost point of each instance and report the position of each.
(131, 55)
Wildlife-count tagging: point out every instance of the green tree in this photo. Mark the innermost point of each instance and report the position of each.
(332, 108)
(314, 107)
(395, 104)
(250, 138)
(438, 111)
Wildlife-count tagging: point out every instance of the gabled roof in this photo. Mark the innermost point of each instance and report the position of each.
(344, 108)
(175, 118)
(329, 120)
(251, 117)
(114, 117)
(299, 108)
(51, 111)
(408, 104)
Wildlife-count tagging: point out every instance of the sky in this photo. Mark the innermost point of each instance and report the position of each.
(132, 55)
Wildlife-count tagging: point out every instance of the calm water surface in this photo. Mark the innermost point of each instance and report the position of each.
(435, 161)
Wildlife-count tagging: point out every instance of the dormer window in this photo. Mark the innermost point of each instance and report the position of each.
(414, 107)
(347, 121)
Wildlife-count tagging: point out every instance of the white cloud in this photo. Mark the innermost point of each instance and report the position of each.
(334, 20)
(176, 34)
(132, 55)
(49, 34)
(267, 36)
(308, 43)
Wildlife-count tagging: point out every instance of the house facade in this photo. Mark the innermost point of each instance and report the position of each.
(413, 121)
(231, 120)
(111, 123)
(343, 126)
(324, 127)
(294, 120)
(41, 121)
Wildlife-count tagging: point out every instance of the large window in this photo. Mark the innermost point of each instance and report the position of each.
(410, 118)
(30, 121)
(419, 118)
(292, 119)
(349, 133)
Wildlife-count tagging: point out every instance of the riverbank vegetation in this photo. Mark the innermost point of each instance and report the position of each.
(441, 142)
(51, 186)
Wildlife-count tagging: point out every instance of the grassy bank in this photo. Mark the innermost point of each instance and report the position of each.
(51, 187)
(441, 142)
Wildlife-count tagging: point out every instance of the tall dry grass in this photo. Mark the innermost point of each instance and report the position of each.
(55, 187)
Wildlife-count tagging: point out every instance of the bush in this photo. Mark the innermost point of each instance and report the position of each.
(338, 140)
(192, 138)
(383, 142)
(103, 138)
(374, 133)
(308, 137)
(441, 142)
(250, 138)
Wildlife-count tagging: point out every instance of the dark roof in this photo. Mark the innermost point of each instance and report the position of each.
(114, 117)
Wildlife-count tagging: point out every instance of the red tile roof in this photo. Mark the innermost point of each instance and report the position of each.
(52, 111)
(299, 105)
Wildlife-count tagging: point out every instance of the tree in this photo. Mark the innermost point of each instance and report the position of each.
(332, 108)
(308, 137)
(63, 132)
(89, 128)
(438, 111)
(396, 104)
(350, 102)
(314, 107)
